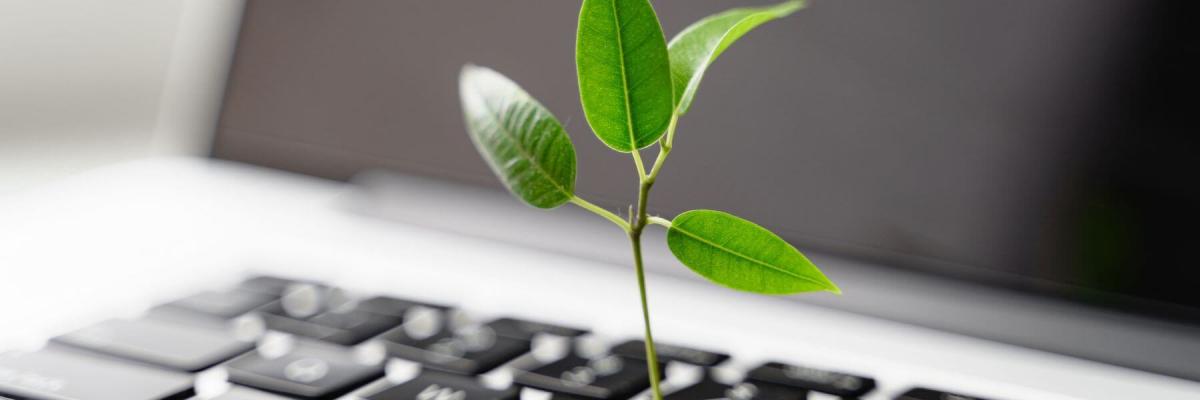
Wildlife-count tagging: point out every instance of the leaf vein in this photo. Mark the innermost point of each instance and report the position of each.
(624, 76)
(746, 257)
(493, 114)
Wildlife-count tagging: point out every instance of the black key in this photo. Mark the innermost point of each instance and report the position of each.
(560, 396)
(270, 285)
(175, 346)
(668, 353)
(297, 299)
(310, 370)
(356, 325)
(243, 393)
(709, 389)
(469, 351)
(525, 329)
(395, 307)
(606, 377)
(344, 328)
(817, 380)
(62, 374)
(225, 305)
(931, 394)
(433, 385)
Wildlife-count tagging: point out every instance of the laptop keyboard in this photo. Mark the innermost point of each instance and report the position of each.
(270, 338)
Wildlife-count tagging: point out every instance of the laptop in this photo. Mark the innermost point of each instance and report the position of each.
(1001, 190)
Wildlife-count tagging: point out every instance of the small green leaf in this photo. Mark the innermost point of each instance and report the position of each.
(739, 254)
(694, 49)
(521, 141)
(624, 72)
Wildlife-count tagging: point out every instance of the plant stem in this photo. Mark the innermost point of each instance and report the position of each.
(637, 223)
(637, 161)
(664, 149)
(651, 353)
(635, 237)
(586, 205)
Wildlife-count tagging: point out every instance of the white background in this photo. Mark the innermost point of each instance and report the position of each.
(85, 83)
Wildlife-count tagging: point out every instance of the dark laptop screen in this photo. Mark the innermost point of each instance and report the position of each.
(1042, 145)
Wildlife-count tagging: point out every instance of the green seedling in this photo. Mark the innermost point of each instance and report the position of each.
(634, 87)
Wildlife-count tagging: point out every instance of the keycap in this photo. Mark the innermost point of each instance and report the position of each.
(931, 394)
(817, 380)
(395, 307)
(709, 389)
(271, 285)
(310, 369)
(604, 377)
(170, 345)
(469, 350)
(669, 353)
(433, 385)
(297, 299)
(220, 304)
(344, 328)
(63, 374)
(242, 393)
(525, 329)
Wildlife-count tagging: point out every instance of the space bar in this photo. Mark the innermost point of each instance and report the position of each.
(54, 373)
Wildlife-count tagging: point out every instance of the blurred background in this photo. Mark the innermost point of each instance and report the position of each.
(85, 84)
(1043, 147)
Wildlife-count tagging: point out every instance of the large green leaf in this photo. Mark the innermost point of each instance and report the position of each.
(520, 140)
(739, 254)
(624, 72)
(694, 49)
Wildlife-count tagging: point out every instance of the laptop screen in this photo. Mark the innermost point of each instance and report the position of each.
(1036, 145)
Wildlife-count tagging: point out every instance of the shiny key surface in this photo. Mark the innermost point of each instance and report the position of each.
(346, 324)
(344, 328)
(526, 329)
(242, 393)
(709, 389)
(435, 385)
(670, 353)
(468, 350)
(309, 369)
(604, 377)
(218, 304)
(395, 307)
(63, 374)
(817, 380)
(932, 394)
(162, 343)
(271, 285)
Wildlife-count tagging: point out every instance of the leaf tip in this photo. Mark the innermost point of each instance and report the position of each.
(788, 7)
(471, 69)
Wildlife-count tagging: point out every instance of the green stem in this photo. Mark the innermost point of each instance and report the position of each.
(635, 237)
(660, 221)
(586, 205)
(637, 224)
(637, 161)
(664, 148)
(651, 353)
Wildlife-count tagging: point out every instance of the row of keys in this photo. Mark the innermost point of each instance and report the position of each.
(56, 372)
(325, 344)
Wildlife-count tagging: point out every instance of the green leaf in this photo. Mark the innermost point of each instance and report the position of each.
(624, 72)
(694, 49)
(739, 254)
(521, 141)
